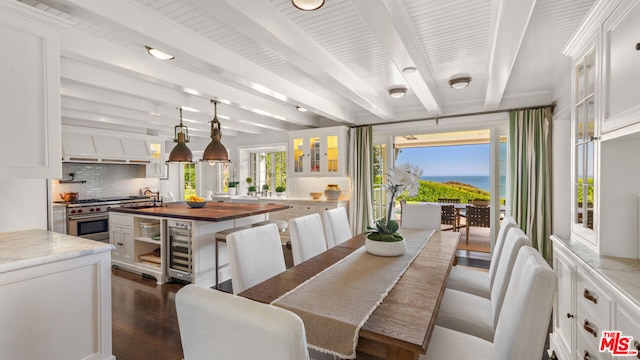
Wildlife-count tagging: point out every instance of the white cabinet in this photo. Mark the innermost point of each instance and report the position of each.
(621, 66)
(318, 152)
(605, 129)
(595, 294)
(139, 244)
(157, 168)
(29, 92)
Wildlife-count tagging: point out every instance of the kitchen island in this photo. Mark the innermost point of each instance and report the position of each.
(178, 242)
(55, 296)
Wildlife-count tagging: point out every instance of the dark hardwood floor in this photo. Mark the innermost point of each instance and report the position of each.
(145, 325)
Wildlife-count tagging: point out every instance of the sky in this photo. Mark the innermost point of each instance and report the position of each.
(459, 160)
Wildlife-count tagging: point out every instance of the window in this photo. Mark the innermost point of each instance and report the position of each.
(189, 180)
(268, 168)
(379, 193)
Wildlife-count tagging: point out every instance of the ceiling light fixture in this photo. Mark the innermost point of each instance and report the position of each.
(180, 152)
(397, 91)
(301, 109)
(308, 5)
(159, 54)
(215, 151)
(409, 69)
(460, 81)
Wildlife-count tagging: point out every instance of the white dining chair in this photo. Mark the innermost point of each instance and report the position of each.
(255, 254)
(218, 325)
(307, 237)
(474, 314)
(336, 226)
(421, 216)
(524, 318)
(479, 282)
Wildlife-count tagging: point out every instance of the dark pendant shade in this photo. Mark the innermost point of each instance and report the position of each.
(215, 151)
(181, 153)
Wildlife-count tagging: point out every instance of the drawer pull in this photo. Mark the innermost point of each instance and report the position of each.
(586, 356)
(636, 345)
(589, 329)
(587, 295)
(638, 46)
(569, 316)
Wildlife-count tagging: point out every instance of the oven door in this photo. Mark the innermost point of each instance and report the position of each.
(94, 227)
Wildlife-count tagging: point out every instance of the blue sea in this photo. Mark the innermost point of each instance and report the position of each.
(481, 182)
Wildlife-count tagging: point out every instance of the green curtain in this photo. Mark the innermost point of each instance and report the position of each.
(360, 159)
(530, 174)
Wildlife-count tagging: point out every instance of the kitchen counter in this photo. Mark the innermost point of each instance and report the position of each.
(212, 211)
(23, 249)
(56, 296)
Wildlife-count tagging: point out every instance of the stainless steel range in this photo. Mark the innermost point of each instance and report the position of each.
(90, 218)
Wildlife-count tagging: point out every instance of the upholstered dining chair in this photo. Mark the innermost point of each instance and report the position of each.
(307, 237)
(524, 318)
(255, 254)
(218, 325)
(421, 216)
(336, 226)
(476, 315)
(479, 282)
(477, 216)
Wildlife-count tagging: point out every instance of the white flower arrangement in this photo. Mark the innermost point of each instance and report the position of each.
(399, 179)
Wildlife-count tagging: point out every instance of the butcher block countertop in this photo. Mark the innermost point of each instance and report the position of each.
(212, 211)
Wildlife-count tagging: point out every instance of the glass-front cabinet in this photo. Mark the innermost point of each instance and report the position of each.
(318, 152)
(585, 145)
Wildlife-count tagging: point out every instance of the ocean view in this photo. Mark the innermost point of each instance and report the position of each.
(481, 182)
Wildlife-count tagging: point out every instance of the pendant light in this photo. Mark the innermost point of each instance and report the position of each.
(215, 151)
(180, 152)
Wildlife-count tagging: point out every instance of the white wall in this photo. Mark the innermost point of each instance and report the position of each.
(561, 167)
(23, 204)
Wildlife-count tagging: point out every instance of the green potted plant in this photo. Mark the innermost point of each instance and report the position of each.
(265, 189)
(280, 190)
(384, 239)
(252, 190)
(232, 188)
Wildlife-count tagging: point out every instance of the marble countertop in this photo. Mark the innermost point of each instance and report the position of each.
(23, 249)
(623, 274)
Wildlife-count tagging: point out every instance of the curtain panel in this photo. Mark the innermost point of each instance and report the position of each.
(360, 160)
(530, 174)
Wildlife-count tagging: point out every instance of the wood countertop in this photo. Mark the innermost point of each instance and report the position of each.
(212, 211)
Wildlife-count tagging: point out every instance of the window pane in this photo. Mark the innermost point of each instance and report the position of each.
(332, 154)
(314, 154)
(189, 180)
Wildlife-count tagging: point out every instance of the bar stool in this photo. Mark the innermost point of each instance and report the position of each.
(281, 224)
(221, 236)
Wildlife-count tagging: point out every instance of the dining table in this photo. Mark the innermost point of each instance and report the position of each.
(400, 324)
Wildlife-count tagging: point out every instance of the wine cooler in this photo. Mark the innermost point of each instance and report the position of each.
(180, 250)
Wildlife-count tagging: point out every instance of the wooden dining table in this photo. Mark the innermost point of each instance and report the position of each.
(401, 326)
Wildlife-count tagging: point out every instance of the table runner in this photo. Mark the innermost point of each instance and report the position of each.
(335, 303)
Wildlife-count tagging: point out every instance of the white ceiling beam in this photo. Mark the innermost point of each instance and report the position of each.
(510, 20)
(262, 22)
(392, 26)
(138, 22)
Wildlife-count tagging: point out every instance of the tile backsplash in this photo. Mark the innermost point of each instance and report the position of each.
(104, 180)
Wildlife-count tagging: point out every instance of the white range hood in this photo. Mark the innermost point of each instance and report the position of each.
(100, 146)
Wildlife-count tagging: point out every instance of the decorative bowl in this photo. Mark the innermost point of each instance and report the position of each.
(316, 195)
(196, 204)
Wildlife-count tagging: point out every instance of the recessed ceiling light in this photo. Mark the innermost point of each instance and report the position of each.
(301, 109)
(460, 81)
(308, 5)
(409, 69)
(159, 54)
(397, 91)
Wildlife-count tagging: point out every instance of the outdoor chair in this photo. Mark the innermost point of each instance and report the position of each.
(449, 201)
(477, 217)
(449, 217)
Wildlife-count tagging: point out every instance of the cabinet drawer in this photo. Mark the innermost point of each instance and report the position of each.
(593, 297)
(590, 326)
(585, 349)
(628, 323)
(120, 219)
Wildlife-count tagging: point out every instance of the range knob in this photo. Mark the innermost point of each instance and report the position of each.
(91, 210)
(79, 211)
(73, 211)
(97, 209)
(108, 207)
